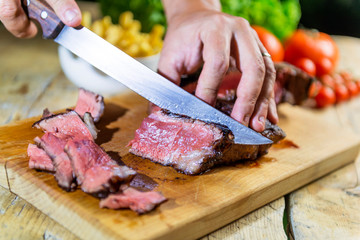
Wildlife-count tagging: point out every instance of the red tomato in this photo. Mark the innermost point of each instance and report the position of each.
(325, 97)
(307, 65)
(328, 80)
(317, 46)
(324, 66)
(338, 79)
(271, 43)
(352, 87)
(341, 92)
(358, 84)
(346, 76)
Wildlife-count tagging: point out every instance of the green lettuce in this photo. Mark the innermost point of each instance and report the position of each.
(279, 17)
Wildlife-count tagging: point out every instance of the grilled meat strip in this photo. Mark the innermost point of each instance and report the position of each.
(90, 102)
(95, 171)
(140, 202)
(192, 146)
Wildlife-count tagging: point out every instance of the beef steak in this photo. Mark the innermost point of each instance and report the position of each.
(140, 202)
(39, 159)
(90, 102)
(192, 146)
(95, 171)
(54, 147)
(68, 124)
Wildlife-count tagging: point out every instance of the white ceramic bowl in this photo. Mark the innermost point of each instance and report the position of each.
(84, 75)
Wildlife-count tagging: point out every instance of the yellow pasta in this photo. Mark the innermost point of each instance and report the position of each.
(125, 19)
(114, 34)
(157, 31)
(127, 34)
(86, 19)
(98, 28)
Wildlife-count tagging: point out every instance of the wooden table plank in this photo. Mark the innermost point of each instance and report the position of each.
(325, 210)
(265, 223)
(20, 220)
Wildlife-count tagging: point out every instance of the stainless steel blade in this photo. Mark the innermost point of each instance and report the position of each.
(148, 83)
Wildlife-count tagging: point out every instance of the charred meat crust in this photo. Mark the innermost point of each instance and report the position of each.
(292, 84)
(224, 151)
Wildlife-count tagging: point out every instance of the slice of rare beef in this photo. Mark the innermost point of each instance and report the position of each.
(90, 102)
(54, 147)
(292, 84)
(39, 159)
(140, 202)
(192, 146)
(68, 124)
(94, 169)
(180, 142)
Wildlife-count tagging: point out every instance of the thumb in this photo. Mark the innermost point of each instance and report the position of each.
(68, 11)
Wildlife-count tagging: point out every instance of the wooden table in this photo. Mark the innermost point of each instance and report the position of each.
(329, 208)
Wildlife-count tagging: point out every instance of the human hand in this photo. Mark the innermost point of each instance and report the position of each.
(218, 40)
(15, 20)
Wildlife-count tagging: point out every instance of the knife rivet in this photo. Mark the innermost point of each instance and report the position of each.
(44, 15)
(28, 2)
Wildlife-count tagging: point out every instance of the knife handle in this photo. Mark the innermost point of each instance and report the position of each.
(40, 11)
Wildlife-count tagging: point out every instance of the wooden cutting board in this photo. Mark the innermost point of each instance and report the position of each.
(197, 205)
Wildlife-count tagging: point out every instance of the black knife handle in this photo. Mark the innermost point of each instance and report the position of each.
(40, 11)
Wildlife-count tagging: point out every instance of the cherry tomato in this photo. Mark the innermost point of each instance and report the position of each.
(307, 65)
(317, 46)
(325, 97)
(346, 76)
(271, 43)
(324, 66)
(338, 79)
(341, 92)
(352, 87)
(328, 80)
(358, 84)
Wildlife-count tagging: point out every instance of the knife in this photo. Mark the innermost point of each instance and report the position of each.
(125, 69)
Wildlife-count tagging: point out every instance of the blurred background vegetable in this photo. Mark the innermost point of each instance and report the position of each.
(127, 34)
(271, 43)
(148, 12)
(280, 17)
(316, 46)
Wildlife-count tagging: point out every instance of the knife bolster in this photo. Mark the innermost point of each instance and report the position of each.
(40, 11)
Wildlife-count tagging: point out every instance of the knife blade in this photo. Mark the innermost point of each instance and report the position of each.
(125, 69)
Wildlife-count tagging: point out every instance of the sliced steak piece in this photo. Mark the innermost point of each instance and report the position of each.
(140, 202)
(95, 171)
(180, 142)
(90, 102)
(39, 159)
(192, 146)
(54, 147)
(68, 124)
(292, 84)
